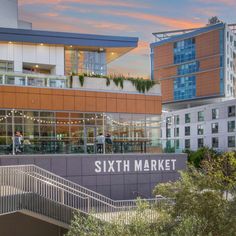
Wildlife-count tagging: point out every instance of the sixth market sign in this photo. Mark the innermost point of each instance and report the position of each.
(132, 165)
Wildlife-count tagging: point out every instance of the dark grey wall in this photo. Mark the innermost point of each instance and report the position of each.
(126, 184)
(18, 224)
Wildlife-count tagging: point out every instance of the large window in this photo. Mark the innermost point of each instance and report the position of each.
(6, 66)
(185, 87)
(184, 50)
(200, 116)
(231, 141)
(214, 128)
(215, 113)
(187, 131)
(231, 126)
(187, 118)
(200, 130)
(64, 132)
(215, 142)
(176, 132)
(188, 68)
(187, 143)
(200, 143)
(176, 119)
(231, 111)
(77, 61)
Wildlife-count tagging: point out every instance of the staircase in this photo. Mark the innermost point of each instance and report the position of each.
(35, 191)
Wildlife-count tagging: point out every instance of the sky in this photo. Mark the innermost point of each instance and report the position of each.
(135, 18)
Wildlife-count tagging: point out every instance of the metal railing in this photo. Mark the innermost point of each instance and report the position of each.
(33, 80)
(31, 188)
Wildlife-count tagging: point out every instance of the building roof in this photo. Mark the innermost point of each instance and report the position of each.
(193, 33)
(117, 44)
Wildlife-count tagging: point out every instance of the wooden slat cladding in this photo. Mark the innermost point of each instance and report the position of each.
(163, 55)
(208, 83)
(167, 88)
(208, 44)
(13, 97)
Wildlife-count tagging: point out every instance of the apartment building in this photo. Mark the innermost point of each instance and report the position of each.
(195, 66)
(210, 125)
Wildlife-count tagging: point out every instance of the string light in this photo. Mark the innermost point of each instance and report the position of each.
(103, 115)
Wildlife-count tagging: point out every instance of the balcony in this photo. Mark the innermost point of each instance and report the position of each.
(63, 82)
(33, 80)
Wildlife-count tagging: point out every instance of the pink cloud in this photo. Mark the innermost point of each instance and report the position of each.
(87, 2)
(170, 22)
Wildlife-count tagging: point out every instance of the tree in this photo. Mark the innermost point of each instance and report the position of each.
(196, 204)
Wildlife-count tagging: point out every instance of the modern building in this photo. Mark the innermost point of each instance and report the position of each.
(51, 91)
(212, 125)
(195, 66)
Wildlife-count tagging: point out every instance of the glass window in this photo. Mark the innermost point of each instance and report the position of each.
(231, 111)
(215, 113)
(231, 126)
(177, 143)
(187, 130)
(200, 142)
(215, 142)
(185, 88)
(168, 133)
(231, 141)
(188, 68)
(187, 143)
(200, 116)
(184, 50)
(200, 130)
(176, 132)
(187, 118)
(168, 120)
(214, 128)
(176, 119)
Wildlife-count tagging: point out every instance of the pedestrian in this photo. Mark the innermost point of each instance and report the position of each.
(100, 140)
(18, 139)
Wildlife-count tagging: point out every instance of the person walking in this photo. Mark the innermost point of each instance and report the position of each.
(18, 139)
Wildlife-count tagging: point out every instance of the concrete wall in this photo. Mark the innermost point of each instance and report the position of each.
(21, 53)
(18, 224)
(102, 173)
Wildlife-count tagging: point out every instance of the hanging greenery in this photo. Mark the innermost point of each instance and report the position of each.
(81, 80)
(140, 84)
(108, 81)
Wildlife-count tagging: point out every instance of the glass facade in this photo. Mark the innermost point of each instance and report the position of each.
(184, 50)
(188, 68)
(185, 88)
(62, 132)
(89, 62)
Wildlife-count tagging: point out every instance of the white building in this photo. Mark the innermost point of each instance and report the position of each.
(210, 125)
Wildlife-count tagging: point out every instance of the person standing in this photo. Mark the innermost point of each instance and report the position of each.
(18, 142)
(100, 140)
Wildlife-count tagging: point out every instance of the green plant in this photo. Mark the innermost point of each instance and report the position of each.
(108, 81)
(81, 80)
(119, 81)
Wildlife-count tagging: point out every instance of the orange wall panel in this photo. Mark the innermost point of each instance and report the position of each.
(208, 83)
(167, 90)
(69, 103)
(208, 44)
(163, 55)
(101, 104)
(111, 105)
(63, 100)
(79, 103)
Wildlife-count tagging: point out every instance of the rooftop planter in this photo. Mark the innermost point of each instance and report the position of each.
(114, 84)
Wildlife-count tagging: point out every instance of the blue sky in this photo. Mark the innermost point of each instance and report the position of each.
(137, 18)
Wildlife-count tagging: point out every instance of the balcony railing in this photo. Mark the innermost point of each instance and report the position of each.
(89, 83)
(34, 80)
